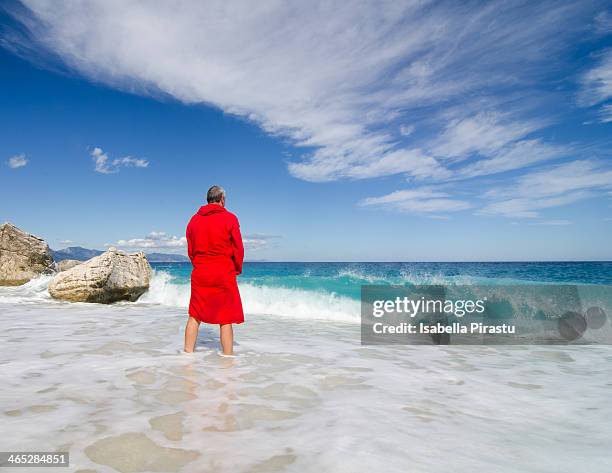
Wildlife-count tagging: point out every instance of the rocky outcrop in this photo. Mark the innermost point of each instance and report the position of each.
(22, 256)
(67, 264)
(113, 276)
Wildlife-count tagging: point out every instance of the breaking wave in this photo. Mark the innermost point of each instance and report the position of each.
(262, 300)
(168, 290)
(32, 291)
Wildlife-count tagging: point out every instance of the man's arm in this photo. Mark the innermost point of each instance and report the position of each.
(236, 238)
(189, 243)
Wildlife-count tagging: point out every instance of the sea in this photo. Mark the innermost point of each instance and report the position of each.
(110, 384)
(332, 290)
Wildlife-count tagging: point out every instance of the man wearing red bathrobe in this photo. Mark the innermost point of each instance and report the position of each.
(214, 245)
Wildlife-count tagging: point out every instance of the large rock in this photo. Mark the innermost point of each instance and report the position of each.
(67, 264)
(113, 276)
(22, 256)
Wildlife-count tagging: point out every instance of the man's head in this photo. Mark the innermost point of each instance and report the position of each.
(216, 195)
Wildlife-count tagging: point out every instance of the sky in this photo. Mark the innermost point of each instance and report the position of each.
(341, 131)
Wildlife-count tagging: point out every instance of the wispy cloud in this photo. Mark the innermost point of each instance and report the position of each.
(528, 207)
(105, 165)
(605, 113)
(552, 187)
(406, 130)
(17, 161)
(597, 86)
(346, 84)
(603, 23)
(485, 134)
(424, 200)
(495, 142)
(514, 156)
(258, 241)
(327, 76)
(558, 222)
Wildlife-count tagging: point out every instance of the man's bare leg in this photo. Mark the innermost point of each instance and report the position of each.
(227, 339)
(191, 334)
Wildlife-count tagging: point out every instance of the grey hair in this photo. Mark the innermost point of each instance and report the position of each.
(215, 194)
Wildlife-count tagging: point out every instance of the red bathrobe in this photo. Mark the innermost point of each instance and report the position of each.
(214, 245)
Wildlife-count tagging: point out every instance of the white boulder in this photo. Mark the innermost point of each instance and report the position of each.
(113, 276)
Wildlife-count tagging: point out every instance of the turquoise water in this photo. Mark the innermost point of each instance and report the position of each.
(345, 279)
(331, 291)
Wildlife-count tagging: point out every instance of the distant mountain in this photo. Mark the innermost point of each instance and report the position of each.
(75, 252)
(166, 258)
(83, 254)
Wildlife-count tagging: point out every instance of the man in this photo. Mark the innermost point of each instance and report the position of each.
(214, 245)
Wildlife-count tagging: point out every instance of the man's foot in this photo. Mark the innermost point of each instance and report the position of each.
(220, 353)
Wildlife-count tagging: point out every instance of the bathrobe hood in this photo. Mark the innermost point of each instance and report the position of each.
(210, 209)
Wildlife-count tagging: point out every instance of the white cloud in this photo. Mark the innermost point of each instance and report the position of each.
(527, 207)
(597, 86)
(423, 200)
(66, 242)
(17, 161)
(596, 83)
(605, 113)
(603, 23)
(560, 179)
(328, 76)
(552, 187)
(413, 162)
(152, 240)
(406, 130)
(105, 165)
(157, 240)
(484, 133)
(515, 156)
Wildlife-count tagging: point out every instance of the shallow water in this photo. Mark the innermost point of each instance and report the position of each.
(109, 384)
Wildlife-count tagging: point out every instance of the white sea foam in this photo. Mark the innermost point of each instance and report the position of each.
(297, 303)
(262, 300)
(32, 291)
(405, 277)
(359, 275)
(109, 384)
(165, 291)
(420, 278)
(257, 300)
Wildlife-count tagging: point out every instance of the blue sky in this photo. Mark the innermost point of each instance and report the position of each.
(376, 131)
